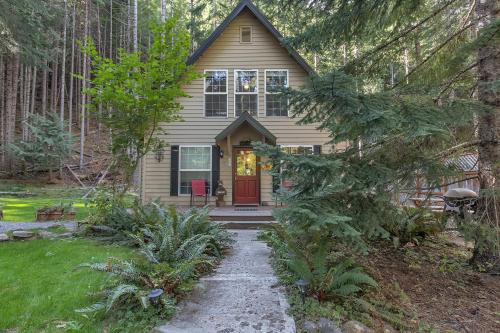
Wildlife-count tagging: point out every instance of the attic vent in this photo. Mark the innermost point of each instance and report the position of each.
(245, 34)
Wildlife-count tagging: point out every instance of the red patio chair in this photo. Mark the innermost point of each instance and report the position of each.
(198, 189)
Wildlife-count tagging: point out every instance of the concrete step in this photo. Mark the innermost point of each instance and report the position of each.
(246, 225)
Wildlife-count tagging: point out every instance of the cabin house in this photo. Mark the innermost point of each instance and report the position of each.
(235, 103)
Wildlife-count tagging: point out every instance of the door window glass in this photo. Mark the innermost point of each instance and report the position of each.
(246, 163)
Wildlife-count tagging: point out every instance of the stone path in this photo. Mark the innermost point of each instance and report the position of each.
(241, 296)
(10, 226)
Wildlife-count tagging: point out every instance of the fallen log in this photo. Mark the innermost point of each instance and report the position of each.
(75, 176)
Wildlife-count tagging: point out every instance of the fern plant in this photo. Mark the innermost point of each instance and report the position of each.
(176, 246)
(327, 272)
(327, 280)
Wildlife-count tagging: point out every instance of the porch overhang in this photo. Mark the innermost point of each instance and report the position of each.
(252, 122)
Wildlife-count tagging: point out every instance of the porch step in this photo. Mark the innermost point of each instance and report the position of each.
(244, 225)
(232, 214)
(242, 218)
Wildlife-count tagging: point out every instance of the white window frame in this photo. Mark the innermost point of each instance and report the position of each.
(180, 170)
(271, 93)
(296, 146)
(291, 146)
(245, 93)
(251, 34)
(215, 93)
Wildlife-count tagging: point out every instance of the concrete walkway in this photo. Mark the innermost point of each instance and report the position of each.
(11, 226)
(241, 296)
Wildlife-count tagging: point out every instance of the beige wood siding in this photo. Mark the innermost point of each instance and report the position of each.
(227, 53)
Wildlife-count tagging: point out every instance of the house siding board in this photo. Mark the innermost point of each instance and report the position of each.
(227, 53)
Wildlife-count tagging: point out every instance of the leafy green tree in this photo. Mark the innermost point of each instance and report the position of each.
(139, 92)
(48, 144)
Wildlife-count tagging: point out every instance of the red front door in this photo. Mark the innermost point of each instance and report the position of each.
(246, 176)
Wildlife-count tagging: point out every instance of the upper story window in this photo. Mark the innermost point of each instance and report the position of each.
(246, 34)
(246, 92)
(276, 103)
(216, 93)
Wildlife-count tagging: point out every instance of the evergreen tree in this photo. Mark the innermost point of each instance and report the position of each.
(48, 146)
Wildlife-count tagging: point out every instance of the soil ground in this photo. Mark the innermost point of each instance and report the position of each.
(435, 285)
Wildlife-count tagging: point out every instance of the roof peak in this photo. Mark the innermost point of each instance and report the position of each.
(262, 19)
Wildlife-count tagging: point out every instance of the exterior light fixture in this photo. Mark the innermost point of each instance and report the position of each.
(302, 285)
(221, 152)
(154, 296)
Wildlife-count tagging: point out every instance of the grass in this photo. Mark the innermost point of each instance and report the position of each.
(23, 209)
(40, 287)
(17, 209)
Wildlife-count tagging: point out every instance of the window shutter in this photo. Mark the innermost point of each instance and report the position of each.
(276, 183)
(215, 167)
(317, 149)
(174, 170)
(276, 180)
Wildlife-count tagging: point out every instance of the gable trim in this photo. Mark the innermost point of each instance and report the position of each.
(246, 118)
(247, 4)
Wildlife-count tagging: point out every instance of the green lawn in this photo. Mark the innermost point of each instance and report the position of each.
(40, 287)
(23, 209)
(16, 209)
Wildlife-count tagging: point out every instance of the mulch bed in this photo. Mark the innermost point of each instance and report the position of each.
(437, 288)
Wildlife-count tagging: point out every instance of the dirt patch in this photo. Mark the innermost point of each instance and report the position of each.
(437, 288)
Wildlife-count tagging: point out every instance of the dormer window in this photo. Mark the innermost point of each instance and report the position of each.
(245, 34)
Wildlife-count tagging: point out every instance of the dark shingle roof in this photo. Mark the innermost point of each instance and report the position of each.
(247, 4)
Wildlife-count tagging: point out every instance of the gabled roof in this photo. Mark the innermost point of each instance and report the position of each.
(246, 118)
(247, 4)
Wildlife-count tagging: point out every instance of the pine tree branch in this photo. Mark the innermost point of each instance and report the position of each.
(463, 145)
(436, 50)
(406, 32)
(459, 74)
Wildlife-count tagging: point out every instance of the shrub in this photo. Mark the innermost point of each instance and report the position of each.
(176, 248)
(413, 225)
(328, 273)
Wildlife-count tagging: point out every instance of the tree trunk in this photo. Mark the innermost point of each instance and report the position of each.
(135, 29)
(53, 85)
(33, 91)
(63, 63)
(129, 25)
(71, 70)
(12, 84)
(2, 111)
(489, 135)
(163, 10)
(44, 89)
(84, 84)
(110, 29)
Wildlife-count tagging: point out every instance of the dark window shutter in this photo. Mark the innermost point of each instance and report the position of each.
(317, 149)
(215, 167)
(174, 170)
(276, 183)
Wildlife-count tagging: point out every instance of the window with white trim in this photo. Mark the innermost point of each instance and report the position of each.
(215, 93)
(245, 34)
(195, 162)
(276, 102)
(293, 150)
(246, 92)
(297, 149)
